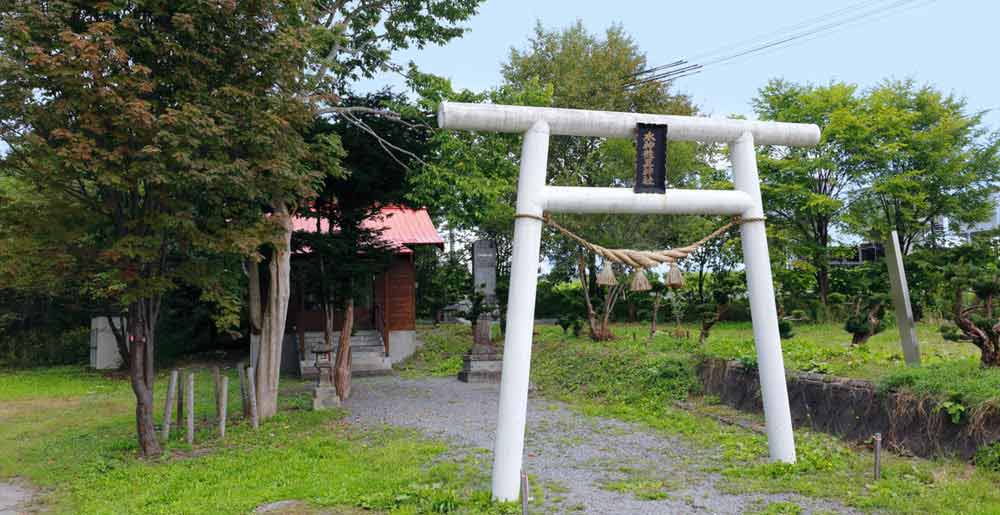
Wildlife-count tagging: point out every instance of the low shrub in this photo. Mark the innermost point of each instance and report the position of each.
(988, 457)
(38, 348)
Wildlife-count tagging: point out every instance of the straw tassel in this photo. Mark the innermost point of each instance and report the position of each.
(675, 279)
(640, 282)
(606, 277)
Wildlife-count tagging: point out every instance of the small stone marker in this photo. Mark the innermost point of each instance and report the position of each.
(324, 393)
(484, 362)
(169, 405)
(901, 301)
(189, 393)
(484, 270)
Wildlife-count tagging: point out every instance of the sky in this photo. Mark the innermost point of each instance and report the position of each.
(951, 44)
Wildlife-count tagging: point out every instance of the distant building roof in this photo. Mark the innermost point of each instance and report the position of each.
(401, 226)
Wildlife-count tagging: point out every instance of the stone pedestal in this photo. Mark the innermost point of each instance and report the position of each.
(324, 393)
(325, 397)
(482, 367)
(484, 362)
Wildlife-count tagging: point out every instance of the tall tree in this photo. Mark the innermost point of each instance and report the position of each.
(349, 40)
(469, 179)
(146, 126)
(590, 71)
(347, 249)
(924, 160)
(805, 190)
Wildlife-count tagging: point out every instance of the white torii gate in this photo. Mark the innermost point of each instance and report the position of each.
(534, 198)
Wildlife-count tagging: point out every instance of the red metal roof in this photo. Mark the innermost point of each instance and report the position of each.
(402, 227)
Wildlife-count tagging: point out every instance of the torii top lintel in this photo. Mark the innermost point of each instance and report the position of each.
(607, 124)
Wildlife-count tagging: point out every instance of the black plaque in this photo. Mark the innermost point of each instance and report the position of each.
(651, 158)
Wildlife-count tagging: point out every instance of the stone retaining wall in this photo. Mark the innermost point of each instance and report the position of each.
(855, 410)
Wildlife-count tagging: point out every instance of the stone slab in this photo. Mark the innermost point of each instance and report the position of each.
(481, 368)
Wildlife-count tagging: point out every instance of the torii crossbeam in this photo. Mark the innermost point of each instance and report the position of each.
(534, 198)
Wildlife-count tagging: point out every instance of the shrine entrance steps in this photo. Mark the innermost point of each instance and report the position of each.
(367, 355)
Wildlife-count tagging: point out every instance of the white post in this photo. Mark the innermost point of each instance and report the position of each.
(764, 314)
(509, 448)
(901, 301)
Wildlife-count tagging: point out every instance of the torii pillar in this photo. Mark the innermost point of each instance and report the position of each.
(535, 198)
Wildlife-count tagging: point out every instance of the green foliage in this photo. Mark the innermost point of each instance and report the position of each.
(948, 373)
(971, 282)
(441, 352)
(962, 381)
(923, 157)
(157, 148)
(955, 410)
(988, 457)
(785, 329)
(951, 332)
(805, 189)
(624, 371)
(442, 279)
(41, 347)
(868, 320)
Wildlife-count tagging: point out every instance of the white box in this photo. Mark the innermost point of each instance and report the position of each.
(103, 347)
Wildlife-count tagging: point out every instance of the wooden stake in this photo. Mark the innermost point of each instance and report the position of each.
(215, 382)
(878, 456)
(169, 404)
(241, 369)
(524, 493)
(180, 399)
(189, 392)
(252, 394)
(223, 405)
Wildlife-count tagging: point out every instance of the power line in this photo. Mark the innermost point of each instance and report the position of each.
(778, 39)
(784, 30)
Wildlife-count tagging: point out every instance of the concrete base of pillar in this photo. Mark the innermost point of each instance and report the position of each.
(325, 397)
(481, 368)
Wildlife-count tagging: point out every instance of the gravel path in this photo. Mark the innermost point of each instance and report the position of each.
(13, 498)
(582, 464)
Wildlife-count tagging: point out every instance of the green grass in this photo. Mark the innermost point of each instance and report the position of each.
(56, 382)
(71, 434)
(441, 354)
(639, 380)
(949, 370)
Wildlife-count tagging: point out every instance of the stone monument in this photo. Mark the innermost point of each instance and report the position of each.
(484, 362)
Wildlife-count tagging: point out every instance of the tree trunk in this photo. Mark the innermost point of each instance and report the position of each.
(329, 311)
(823, 282)
(708, 323)
(121, 341)
(990, 350)
(585, 286)
(656, 310)
(604, 331)
(253, 287)
(860, 338)
(141, 324)
(988, 341)
(342, 368)
(873, 326)
(273, 324)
